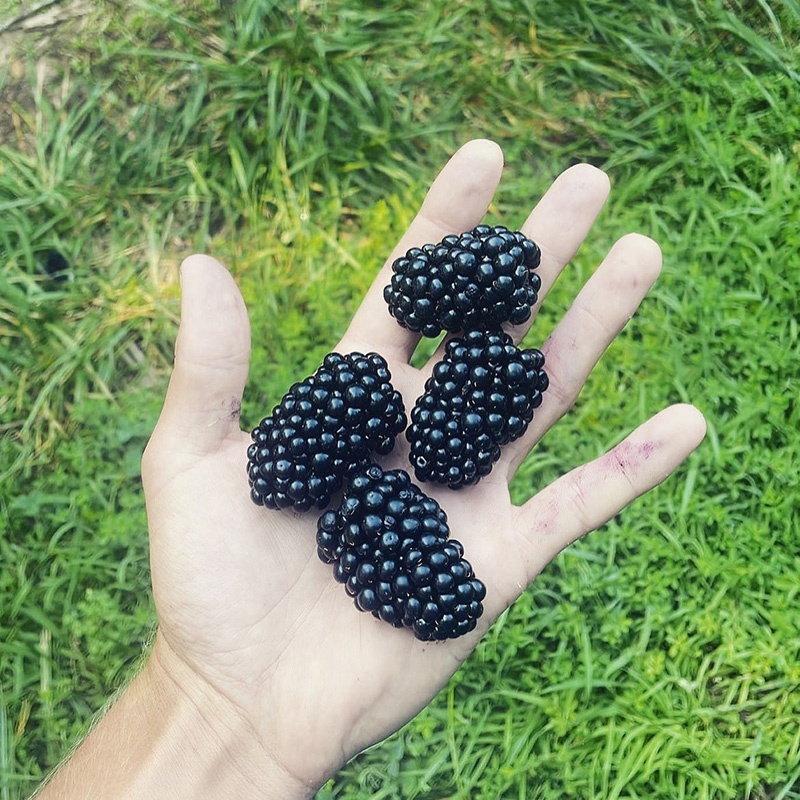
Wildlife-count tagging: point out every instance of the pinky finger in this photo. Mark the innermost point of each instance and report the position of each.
(589, 496)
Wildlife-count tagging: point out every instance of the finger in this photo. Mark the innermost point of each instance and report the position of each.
(558, 224)
(587, 497)
(457, 201)
(599, 312)
(212, 354)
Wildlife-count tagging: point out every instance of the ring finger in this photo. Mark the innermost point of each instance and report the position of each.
(599, 312)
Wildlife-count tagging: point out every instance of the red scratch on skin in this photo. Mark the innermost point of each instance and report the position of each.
(235, 408)
(626, 456)
(549, 521)
(625, 459)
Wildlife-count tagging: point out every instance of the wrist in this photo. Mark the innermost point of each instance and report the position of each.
(170, 736)
(221, 753)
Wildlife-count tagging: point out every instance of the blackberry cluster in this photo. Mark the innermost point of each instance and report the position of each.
(481, 396)
(323, 428)
(390, 547)
(477, 280)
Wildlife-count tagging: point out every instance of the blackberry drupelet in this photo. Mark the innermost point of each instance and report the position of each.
(477, 280)
(390, 546)
(481, 396)
(324, 426)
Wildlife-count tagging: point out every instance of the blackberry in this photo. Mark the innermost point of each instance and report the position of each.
(481, 396)
(324, 426)
(477, 280)
(389, 545)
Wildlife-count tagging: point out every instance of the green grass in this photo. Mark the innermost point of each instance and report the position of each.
(660, 658)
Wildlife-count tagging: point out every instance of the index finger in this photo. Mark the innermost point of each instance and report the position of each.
(456, 201)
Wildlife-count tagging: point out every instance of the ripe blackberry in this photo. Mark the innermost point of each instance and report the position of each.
(477, 280)
(390, 546)
(481, 396)
(323, 427)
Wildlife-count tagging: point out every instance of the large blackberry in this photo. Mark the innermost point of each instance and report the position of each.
(481, 396)
(323, 427)
(477, 280)
(389, 544)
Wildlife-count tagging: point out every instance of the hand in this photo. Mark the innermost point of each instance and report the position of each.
(251, 624)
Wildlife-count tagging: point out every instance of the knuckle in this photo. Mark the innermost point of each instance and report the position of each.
(622, 466)
(577, 500)
(562, 375)
(149, 459)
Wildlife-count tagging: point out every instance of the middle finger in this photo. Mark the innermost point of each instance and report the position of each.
(558, 224)
(599, 312)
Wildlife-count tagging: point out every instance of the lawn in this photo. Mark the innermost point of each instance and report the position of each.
(658, 658)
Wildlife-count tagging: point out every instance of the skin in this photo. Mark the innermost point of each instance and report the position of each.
(260, 652)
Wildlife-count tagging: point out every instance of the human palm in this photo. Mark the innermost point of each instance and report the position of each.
(245, 607)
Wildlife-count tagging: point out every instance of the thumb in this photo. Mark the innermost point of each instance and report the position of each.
(212, 355)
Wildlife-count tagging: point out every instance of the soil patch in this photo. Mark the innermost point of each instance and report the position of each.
(35, 46)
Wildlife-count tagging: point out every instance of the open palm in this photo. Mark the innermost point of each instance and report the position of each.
(246, 609)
